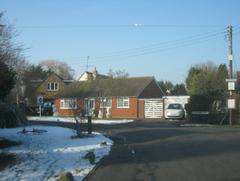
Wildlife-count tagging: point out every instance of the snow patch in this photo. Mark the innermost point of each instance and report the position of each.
(72, 120)
(46, 155)
(196, 125)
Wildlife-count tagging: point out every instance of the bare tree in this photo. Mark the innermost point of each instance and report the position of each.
(117, 73)
(78, 115)
(11, 58)
(60, 68)
(11, 53)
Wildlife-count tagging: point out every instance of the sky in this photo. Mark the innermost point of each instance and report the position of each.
(143, 37)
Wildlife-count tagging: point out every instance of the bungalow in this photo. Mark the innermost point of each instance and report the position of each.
(134, 97)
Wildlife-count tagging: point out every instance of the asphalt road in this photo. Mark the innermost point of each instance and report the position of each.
(165, 151)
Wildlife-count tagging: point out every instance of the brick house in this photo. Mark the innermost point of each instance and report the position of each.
(49, 88)
(134, 97)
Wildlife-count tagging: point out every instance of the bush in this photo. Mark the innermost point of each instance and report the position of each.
(11, 116)
(66, 177)
(96, 113)
(199, 103)
(7, 160)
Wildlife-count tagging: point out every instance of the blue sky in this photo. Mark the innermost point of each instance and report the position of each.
(144, 37)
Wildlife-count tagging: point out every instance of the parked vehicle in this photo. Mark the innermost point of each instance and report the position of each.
(175, 110)
(47, 109)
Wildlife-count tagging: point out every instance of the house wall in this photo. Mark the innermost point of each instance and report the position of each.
(131, 112)
(135, 110)
(68, 112)
(97, 104)
(141, 109)
(86, 76)
(43, 88)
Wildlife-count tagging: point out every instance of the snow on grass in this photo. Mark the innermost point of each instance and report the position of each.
(196, 125)
(71, 120)
(44, 156)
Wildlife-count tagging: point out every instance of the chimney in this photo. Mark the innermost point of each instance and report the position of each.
(95, 73)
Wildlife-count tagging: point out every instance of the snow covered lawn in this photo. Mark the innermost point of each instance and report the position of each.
(196, 125)
(45, 155)
(71, 120)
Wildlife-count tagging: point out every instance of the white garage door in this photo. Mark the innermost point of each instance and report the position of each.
(153, 108)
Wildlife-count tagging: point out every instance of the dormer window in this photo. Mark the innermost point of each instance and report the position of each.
(53, 86)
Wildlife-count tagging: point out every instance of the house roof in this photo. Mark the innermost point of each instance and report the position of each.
(132, 86)
(52, 73)
(91, 74)
(102, 76)
(39, 81)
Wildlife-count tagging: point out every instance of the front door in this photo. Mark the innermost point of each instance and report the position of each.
(89, 105)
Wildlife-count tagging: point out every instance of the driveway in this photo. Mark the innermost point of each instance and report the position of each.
(165, 151)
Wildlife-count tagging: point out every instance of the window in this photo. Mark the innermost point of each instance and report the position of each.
(123, 102)
(89, 104)
(106, 102)
(52, 86)
(174, 106)
(56, 86)
(68, 103)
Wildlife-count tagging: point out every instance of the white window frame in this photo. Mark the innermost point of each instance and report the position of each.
(124, 100)
(55, 86)
(102, 100)
(87, 100)
(65, 103)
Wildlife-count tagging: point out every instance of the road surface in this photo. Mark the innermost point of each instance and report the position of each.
(150, 151)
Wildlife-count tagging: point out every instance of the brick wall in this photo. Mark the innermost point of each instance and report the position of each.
(135, 110)
(68, 112)
(43, 88)
(141, 109)
(131, 112)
